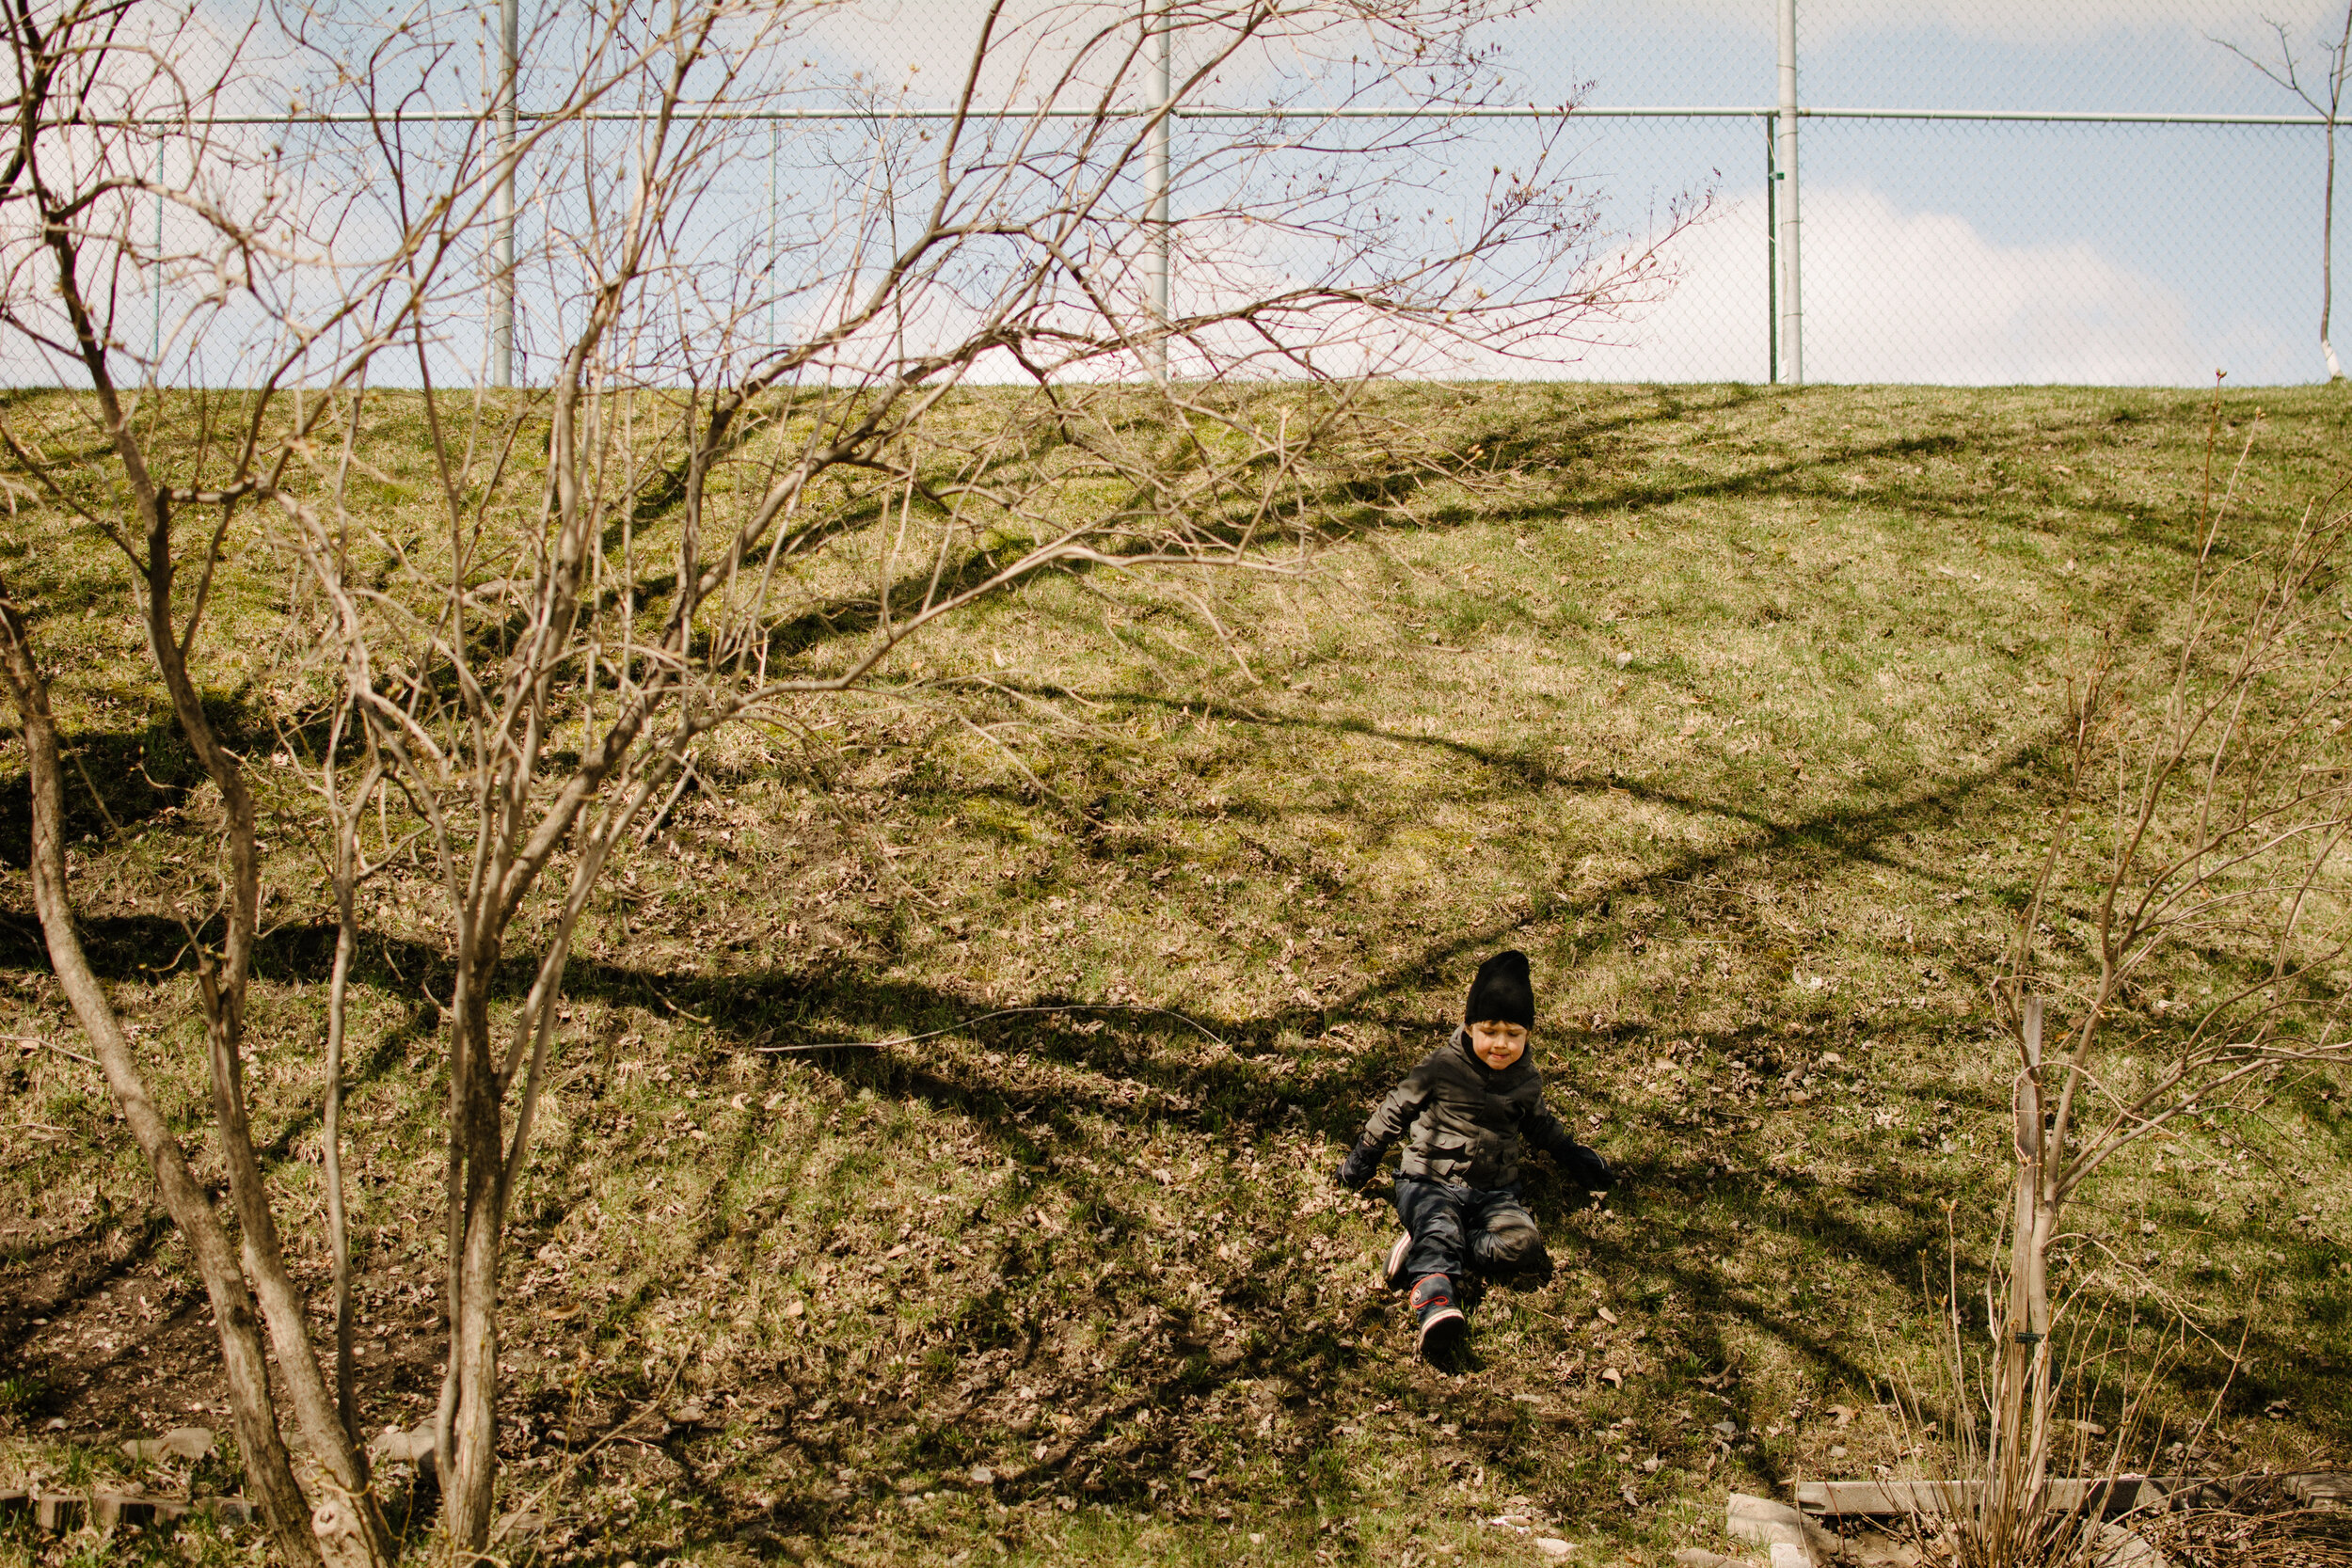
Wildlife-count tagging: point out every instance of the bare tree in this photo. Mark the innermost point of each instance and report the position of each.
(98, 92)
(2178, 952)
(2326, 100)
(760, 459)
(269, 1473)
(86, 77)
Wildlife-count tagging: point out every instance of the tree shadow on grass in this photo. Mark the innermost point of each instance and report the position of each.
(1142, 1073)
(1601, 475)
(776, 1007)
(139, 776)
(102, 1254)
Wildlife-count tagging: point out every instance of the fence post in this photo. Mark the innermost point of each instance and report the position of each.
(155, 295)
(1793, 272)
(775, 155)
(502, 245)
(1156, 186)
(1771, 252)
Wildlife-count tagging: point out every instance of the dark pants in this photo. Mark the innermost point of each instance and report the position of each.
(1457, 1229)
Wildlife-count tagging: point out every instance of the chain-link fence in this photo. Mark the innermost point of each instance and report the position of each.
(1989, 190)
(2094, 191)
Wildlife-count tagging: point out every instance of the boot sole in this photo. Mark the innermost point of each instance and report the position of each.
(1442, 1336)
(1392, 1272)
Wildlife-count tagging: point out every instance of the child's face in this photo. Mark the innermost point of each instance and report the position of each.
(1498, 1044)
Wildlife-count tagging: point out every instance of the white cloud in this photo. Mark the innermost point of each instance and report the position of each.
(919, 52)
(1897, 296)
(1923, 297)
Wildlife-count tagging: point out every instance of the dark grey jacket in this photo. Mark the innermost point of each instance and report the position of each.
(1470, 1125)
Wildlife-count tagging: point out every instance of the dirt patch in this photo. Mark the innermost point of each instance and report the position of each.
(101, 1332)
(95, 1333)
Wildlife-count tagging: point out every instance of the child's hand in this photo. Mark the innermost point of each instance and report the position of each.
(1360, 1166)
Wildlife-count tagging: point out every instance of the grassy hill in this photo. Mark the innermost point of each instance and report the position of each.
(1733, 708)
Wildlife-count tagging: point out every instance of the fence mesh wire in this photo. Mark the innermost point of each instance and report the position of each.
(1968, 251)
(1934, 250)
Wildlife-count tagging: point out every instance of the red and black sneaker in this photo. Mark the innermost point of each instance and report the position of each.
(1443, 1324)
(1393, 1270)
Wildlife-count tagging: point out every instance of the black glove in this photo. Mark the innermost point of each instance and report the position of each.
(1584, 1166)
(1361, 1165)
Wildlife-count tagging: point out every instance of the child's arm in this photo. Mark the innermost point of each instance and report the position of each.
(1582, 1166)
(1387, 1124)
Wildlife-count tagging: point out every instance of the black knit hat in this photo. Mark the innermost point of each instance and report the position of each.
(1502, 993)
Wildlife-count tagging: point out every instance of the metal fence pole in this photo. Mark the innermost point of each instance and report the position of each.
(503, 256)
(1156, 186)
(1793, 272)
(1771, 252)
(155, 293)
(775, 156)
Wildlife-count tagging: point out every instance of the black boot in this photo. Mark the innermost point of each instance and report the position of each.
(1443, 1325)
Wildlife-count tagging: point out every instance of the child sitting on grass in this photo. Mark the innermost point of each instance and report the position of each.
(1468, 1112)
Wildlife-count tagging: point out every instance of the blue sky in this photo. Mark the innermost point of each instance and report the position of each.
(1939, 252)
(1968, 252)
(1934, 252)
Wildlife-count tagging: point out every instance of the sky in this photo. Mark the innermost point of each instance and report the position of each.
(1937, 252)
(1966, 252)
(1943, 252)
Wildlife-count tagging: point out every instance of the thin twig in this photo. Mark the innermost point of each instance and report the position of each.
(53, 1045)
(969, 1022)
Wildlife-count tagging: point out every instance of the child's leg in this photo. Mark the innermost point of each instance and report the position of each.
(1432, 1212)
(1504, 1238)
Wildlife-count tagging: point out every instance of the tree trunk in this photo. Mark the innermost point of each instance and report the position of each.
(222, 980)
(467, 1430)
(269, 1473)
(2021, 1415)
